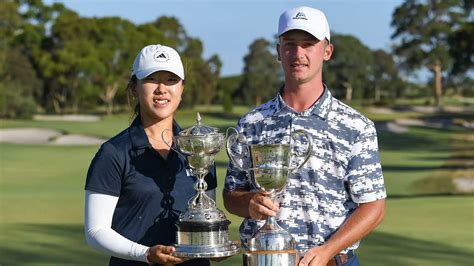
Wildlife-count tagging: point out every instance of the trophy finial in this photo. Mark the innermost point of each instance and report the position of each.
(198, 118)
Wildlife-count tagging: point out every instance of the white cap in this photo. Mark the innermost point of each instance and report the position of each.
(305, 18)
(157, 57)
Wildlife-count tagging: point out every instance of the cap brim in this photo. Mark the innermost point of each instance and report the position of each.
(319, 36)
(146, 72)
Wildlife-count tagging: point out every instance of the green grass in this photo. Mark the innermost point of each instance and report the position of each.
(423, 231)
(41, 198)
(410, 157)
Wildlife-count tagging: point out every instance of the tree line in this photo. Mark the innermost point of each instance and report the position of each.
(53, 60)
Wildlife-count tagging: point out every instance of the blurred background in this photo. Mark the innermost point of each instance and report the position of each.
(64, 66)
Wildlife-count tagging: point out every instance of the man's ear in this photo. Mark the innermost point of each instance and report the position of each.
(328, 52)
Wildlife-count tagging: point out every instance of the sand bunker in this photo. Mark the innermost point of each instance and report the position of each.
(45, 136)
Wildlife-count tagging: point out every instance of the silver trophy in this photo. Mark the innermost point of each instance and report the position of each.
(269, 166)
(202, 228)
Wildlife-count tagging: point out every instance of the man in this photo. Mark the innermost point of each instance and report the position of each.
(338, 196)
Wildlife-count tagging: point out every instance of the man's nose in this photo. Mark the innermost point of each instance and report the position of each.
(298, 51)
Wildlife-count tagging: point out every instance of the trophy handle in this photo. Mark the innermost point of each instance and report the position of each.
(309, 150)
(171, 145)
(233, 138)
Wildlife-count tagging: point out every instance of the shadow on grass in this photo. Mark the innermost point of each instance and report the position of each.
(46, 244)
(430, 195)
(426, 168)
(381, 248)
(454, 157)
(449, 116)
(393, 141)
(65, 244)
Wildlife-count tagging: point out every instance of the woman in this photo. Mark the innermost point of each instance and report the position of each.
(136, 186)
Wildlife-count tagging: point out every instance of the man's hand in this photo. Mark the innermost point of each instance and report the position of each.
(261, 206)
(256, 205)
(162, 254)
(316, 256)
(364, 219)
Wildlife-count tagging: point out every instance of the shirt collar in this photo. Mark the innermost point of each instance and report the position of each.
(138, 136)
(320, 108)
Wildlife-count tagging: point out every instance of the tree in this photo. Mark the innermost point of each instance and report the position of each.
(350, 67)
(39, 47)
(10, 25)
(385, 77)
(226, 88)
(74, 59)
(423, 29)
(212, 74)
(173, 32)
(83, 62)
(461, 48)
(118, 43)
(17, 84)
(201, 75)
(260, 76)
(18, 79)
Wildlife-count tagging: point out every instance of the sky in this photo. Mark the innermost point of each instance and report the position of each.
(228, 27)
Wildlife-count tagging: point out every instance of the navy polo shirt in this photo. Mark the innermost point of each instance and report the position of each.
(152, 191)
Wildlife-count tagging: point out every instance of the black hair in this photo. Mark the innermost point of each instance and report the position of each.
(133, 102)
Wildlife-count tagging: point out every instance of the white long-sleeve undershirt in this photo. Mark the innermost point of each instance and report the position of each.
(98, 212)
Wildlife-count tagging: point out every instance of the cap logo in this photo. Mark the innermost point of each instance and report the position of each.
(300, 15)
(161, 56)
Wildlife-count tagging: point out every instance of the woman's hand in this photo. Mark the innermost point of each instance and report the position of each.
(162, 254)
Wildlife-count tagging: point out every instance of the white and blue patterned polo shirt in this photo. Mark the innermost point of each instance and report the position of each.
(344, 168)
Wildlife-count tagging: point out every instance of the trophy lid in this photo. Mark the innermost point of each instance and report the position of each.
(198, 129)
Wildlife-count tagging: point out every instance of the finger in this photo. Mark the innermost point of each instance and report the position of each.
(264, 201)
(308, 260)
(271, 206)
(260, 207)
(267, 212)
(303, 262)
(167, 249)
(174, 259)
(166, 259)
(305, 259)
(260, 212)
(276, 206)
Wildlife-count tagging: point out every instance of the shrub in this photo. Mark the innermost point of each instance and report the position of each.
(14, 103)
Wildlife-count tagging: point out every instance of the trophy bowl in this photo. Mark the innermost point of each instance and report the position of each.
(200, 150)
(203, 229)
(269, 168)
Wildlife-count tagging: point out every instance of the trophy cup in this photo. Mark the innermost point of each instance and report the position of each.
(269, 166)
(202, 228)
